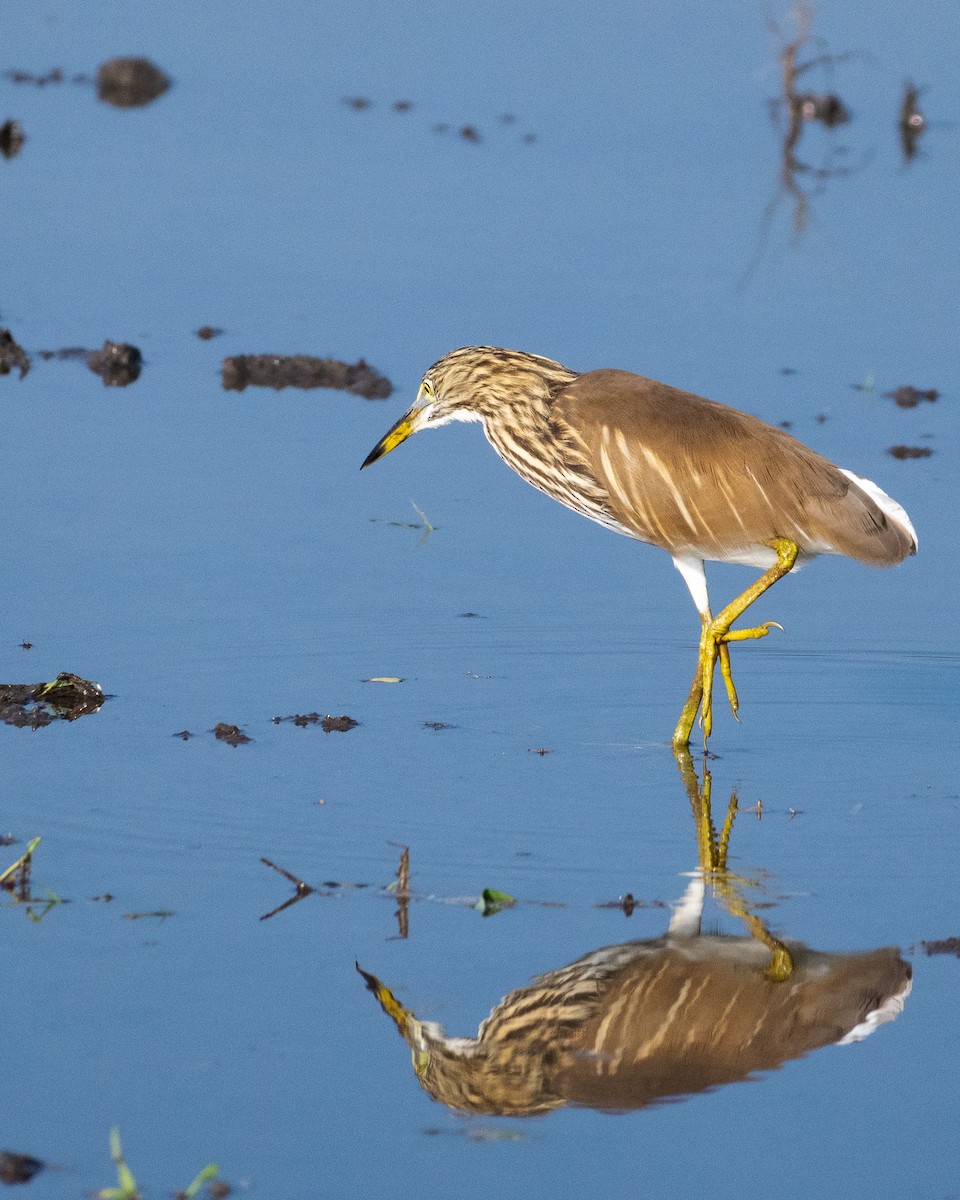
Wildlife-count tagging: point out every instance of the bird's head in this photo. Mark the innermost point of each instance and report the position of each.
(472, 384)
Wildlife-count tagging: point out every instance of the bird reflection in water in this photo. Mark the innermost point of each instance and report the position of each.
(643, 1022)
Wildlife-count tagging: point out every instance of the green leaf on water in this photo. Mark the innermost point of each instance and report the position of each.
(209, 1172)
(492, 901)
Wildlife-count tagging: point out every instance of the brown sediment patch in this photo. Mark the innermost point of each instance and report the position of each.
(904, 452)
(948, 945)
(233, 735)
(66, 698)
(12, 356)
(303, 371)
(117, 363)
(329, 724)
(54, 76)
(11, 138)
(18, 1168)
(130, 82)
(910, 397)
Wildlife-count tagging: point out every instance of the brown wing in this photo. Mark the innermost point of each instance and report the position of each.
(696, 477)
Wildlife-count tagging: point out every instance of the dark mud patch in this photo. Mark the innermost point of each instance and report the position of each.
(949, 945)
(329, 724)
(56, 75)
(117, 363)
(910, 397)
(303, 371)
(18, 1168)
(206, 332)
(11, 138)
(467, 133)
(12, 356)
(904, 452)
(233, 735)
(35, 705)
(130, 82)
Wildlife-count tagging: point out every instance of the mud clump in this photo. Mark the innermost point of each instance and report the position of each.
(302, 371)
(910, 397)
(36, 705)
(948, 945)
(11, 139)
(130, 82)
(12, 356)
(233, 735)
(329, 724)
(117, 363)
(18, 1168)
(904, 452)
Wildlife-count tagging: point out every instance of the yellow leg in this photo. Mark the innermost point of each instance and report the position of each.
(714, 644)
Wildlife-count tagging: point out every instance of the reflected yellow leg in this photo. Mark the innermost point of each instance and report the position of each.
(714, 644)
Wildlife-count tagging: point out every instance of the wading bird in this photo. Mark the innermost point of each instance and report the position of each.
(698, 479)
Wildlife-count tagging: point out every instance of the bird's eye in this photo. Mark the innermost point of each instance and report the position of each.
(428, 389)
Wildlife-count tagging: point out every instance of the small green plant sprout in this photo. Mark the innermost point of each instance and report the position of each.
(126, 1188)
(207, 1175)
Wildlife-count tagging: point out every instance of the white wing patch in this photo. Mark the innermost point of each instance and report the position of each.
(887, 505)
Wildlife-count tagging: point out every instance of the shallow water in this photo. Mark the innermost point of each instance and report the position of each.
(210, 556)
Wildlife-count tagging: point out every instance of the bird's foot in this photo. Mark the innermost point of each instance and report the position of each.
(714, 645)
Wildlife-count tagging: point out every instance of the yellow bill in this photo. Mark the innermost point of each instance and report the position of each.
(407, 424)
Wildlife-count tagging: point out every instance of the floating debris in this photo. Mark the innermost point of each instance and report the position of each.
(11, 138)
(12, 356)
(329, 724)
(492, 901)
(303, 371)
(357, 103)
(949, 945)
(54, 76)
(910, 397)
(904, 452)
(130, 82)
(541, 750)
(117, 363)
(470, 133)
(18, 1168)
(66, 698)
(26, 645)
(206, 332)
(233, 735)
(437, 725)
(384, 679)
(912, 122)
(184, 734)
(402, 106)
